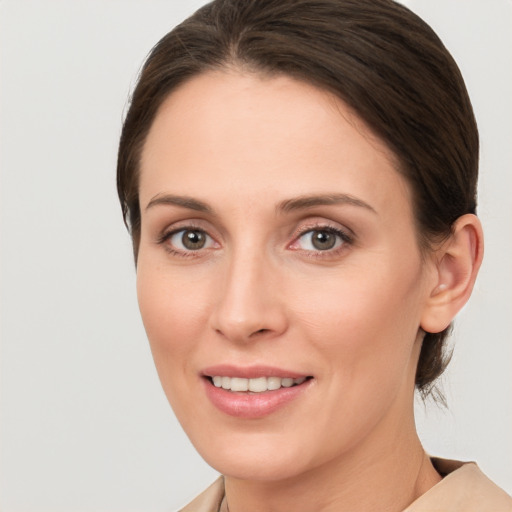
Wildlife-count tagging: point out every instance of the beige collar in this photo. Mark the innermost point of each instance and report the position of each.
(464, 488)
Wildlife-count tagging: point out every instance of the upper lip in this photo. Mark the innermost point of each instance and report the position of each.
(250, 372)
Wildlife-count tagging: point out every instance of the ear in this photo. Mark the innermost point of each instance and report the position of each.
(457, 262)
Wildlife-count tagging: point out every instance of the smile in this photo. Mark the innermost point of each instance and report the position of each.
(253, 392)
(255, 385)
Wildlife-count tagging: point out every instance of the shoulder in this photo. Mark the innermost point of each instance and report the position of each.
(209, 500)
(464, 488)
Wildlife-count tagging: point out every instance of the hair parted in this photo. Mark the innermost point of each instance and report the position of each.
(375, 55)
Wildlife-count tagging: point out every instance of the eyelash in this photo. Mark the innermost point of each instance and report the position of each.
(346, 239)
(166, 236)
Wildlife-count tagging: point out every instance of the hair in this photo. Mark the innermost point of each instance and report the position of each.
(377, 56)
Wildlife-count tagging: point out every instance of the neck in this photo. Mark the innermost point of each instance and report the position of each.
(386, 474)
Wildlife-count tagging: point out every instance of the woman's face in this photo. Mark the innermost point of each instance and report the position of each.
(278, 247)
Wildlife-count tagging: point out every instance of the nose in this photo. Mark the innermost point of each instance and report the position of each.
(250, 304)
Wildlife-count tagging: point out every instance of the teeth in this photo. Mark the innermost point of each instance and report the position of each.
(238, 384)
(273, 383)
(287, 382)
(258, 385)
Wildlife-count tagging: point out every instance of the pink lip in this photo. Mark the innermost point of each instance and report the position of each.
(248, 405)
(249, 372)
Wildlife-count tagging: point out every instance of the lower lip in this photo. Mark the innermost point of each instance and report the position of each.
(252, 405)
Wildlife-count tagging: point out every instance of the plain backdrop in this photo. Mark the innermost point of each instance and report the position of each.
(84, 423)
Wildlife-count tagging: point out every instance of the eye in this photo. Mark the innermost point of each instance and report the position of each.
(190, 240)
(321, 240)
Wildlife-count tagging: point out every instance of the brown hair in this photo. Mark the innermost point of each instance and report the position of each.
(376, 55)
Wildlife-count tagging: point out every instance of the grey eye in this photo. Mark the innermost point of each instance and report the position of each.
(320, 240)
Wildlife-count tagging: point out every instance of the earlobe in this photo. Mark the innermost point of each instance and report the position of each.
(458, 260)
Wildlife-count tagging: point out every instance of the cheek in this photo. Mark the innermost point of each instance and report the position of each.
(364, 321)
(173, 311)
(363, 336)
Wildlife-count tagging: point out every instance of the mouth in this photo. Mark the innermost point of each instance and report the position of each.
(255, 385)
(255, 392)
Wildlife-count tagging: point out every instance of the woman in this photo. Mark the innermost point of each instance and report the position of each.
(299, 179)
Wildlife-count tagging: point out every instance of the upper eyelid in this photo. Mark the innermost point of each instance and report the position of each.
(323, 225)
(180, 225)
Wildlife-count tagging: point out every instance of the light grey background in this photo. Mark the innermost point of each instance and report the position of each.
(84, 423)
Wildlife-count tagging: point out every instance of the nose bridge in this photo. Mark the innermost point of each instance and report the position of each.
(247, 303)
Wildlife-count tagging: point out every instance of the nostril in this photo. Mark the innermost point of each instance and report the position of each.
(260, 331)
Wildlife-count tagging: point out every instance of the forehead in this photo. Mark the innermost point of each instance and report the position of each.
(235, 133)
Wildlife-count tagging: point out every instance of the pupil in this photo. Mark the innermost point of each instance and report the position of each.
(323, 240)
(193, 239)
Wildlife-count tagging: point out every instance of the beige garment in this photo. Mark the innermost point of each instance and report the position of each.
(464, 488)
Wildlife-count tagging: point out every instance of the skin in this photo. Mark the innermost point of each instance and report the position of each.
(259, 293)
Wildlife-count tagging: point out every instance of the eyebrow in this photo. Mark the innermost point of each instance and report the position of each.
(183, 201)
(304, 202)
(289, 205)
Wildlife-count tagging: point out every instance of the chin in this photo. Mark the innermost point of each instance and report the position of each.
(255, 469)
(261, 457)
